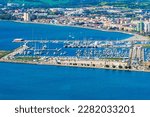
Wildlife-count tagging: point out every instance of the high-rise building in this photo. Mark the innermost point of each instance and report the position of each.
(140, 27)
(26, 17)
(147, 27)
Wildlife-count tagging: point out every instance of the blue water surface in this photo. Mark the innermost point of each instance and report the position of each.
(23, 81)
(10, 30)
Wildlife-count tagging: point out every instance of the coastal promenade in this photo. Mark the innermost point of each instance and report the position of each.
(74, 62)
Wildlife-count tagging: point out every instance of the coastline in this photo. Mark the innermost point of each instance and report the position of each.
(91, 28)
(134, 36)
(89, 67)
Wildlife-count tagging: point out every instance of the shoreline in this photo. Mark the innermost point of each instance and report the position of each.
(73, 66)
(92, 28)
(133, 36)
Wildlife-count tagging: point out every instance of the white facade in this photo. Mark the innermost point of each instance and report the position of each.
(147, 27)
(26, 17)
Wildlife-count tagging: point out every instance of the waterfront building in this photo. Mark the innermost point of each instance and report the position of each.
(140, 27)
(26, 17)
(147, 27)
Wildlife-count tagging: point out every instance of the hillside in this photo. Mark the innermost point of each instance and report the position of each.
(63, 3)
(51, 2)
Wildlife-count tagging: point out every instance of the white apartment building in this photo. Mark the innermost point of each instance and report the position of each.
(147, 27)
(26, 17)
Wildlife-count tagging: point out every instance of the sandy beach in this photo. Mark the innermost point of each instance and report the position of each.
(92, 28)
(135, 37)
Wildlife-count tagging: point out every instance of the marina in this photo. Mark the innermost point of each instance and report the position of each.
(119, 55)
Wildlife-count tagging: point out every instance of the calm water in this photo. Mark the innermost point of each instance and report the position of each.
(11, 30)
(22, 81)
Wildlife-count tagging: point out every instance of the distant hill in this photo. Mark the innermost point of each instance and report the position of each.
(50, 2)
(62, 3)
(54, 2)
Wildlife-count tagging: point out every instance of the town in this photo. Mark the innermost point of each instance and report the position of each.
(104, 17)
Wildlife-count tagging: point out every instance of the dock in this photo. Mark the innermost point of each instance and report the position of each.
(117, 55)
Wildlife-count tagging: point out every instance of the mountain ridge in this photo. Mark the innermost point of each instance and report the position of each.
(63, 2)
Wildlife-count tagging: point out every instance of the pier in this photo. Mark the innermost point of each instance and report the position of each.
(131, 39)
(117, 55)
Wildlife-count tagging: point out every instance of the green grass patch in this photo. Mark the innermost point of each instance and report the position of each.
(146, 46)
(128, 4)
(4, 53)
(26, 58)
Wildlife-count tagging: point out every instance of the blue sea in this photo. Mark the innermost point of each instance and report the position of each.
(24, 81)
(11, 30)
